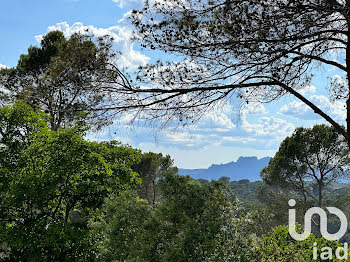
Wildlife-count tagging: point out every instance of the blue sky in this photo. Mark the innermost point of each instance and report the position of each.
(220, 137)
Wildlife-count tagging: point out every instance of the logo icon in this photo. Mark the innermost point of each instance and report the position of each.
(323, 222)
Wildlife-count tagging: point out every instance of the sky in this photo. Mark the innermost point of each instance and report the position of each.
(220, 137)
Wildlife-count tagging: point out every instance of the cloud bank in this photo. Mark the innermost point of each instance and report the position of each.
(121, 33)
(3, 66)
(299, 110)
(129, 3)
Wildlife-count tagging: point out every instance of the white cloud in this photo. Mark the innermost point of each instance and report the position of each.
(300, 110)
(265, 133)
(269, 126)
(121, 34)
(336, 109)
(308, 90)
(184, 137)
(254, 108)
(240, 139)
(215, 120)
(139, 4)
(186, 140)
(3, 66)
(129, 3)
(126, 18)
(338, 80)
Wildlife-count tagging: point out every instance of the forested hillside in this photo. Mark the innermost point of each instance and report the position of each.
(65, 198)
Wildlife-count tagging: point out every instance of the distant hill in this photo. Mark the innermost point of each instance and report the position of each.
(244, 168)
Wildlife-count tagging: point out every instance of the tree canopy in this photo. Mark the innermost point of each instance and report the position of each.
(69, 79)
(64, 198)
(309, 161)
(254, 51)
(51, 183)
(151, 167)
(192, 222)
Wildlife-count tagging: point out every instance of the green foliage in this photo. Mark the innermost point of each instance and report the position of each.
(120, 232)
(39, 58)
(18, 124)
(280, 246)
(202, 181)
(308, 161)
(193, 222)
(225, 179)
(63, 198)
(150, 168)
(53, 184)
(245, 190)
(69, 79)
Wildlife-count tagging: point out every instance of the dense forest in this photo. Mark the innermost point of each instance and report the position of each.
(64, 197)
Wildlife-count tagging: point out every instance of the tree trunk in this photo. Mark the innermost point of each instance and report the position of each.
(320, 204)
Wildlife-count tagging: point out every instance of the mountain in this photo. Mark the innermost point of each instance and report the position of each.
(244, 168)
